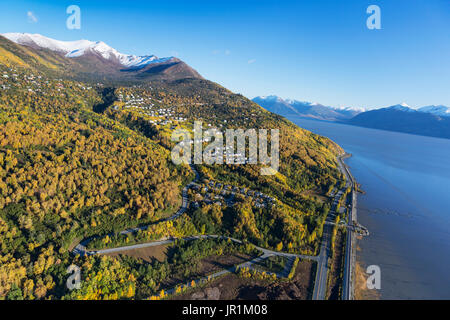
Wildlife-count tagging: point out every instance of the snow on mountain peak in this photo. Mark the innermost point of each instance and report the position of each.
(306, 103)
(270, 98)
(439, 110)
(350, 108)
(73, 49)
(401, 107)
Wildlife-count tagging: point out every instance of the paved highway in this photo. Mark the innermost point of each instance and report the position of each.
(350, 254)
(320, 285)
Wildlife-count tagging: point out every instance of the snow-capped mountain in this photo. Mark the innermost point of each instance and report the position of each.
(401, 107)
(271, 98)
(289, 107)
(90, 60)
(275, 104)
(440, 110)
(431, 121)
(74, 49)
(427, 121)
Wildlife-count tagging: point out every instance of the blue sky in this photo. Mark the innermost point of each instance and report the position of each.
(315, 50)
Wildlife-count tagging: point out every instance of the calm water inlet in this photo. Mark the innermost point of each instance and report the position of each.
(406, 206)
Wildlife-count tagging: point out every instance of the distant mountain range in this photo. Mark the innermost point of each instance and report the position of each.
(431, 121)
(312, 110)
(94, 59)
(428, 121)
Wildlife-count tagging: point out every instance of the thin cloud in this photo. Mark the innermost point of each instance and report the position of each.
(227, 52)
(251, 61)
(31, 17)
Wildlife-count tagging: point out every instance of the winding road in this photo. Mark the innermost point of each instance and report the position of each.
(81, 247)
(266, 252)
(320, 286)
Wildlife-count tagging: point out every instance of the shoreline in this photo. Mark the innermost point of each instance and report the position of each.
(348, 286)
(405, 239)
(361, 290)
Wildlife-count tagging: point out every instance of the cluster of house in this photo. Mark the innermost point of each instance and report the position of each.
(160, 115)
(220, 194)
(30, 82)
(3, 83)
(12, 77)
(238, 158)
(83, 87)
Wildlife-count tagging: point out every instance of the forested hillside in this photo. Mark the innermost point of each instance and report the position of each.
(70, 170)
